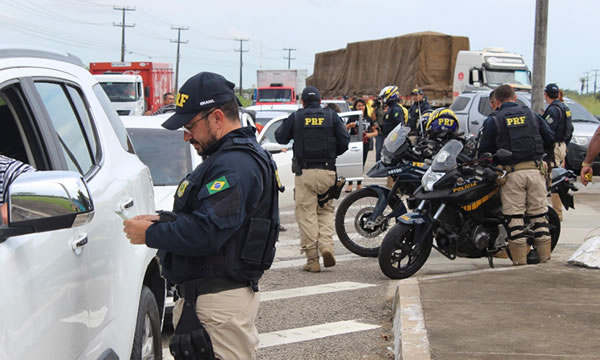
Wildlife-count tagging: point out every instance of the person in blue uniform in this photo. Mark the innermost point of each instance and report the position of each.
(221, 236)
(519, 130)
(419, 106)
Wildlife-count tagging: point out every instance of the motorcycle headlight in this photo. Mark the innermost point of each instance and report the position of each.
(430, 178)
(581, 140)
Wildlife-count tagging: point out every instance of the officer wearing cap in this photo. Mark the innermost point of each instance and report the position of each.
(558, 117)
(221, 236)
(319, 137)
(419, 106)
(517, 129)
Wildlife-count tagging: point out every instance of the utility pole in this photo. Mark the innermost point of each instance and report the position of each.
(539, 55)
(123, 26)
(289, 57)
(178, 41)
(595, 78)
(587, 82)
(582, 79)
(241, 51)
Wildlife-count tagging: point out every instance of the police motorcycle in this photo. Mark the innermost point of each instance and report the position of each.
(363, 217)
(459, 207)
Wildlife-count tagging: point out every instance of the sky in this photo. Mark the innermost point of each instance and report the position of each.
(86, 28)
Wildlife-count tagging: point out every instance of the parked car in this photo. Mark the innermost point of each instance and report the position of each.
(349, 164)
(264, 113)
(74, 287)
(472, 107)
(342, 104)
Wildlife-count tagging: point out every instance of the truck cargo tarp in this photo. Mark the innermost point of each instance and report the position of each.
(424, 60)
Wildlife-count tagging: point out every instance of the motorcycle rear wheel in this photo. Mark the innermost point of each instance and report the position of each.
(401, 255)
(350, 220)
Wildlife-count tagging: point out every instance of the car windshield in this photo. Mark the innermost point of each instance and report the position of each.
(445, 160)
(274, 95)
(164, 152)
(579, 113)
(499, 77)
(120, 92)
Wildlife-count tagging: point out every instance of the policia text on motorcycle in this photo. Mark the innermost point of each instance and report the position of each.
(517, 129)
(221, 236)
(558, 117)
(319, 137)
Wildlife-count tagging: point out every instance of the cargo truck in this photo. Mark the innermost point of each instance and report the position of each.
(157, 79)
(279, 86)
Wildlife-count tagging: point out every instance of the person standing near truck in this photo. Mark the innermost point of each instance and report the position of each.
(558, 117)
(419, 106)
(221, 236)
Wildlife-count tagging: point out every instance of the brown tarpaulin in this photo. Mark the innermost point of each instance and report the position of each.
(424, 60)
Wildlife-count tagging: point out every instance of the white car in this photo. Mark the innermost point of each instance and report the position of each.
(349, 164)
(264, 113)
(73, 285)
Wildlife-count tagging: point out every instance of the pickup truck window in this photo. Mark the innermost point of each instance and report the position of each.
(460, 103)
(84, 116)
(114, 119)
(73, 141)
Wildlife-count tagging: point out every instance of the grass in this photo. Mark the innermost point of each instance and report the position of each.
(590, 102)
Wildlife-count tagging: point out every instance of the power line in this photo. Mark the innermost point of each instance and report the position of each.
(289, 57)
(178, 41)
(123, 26)
(241, 51)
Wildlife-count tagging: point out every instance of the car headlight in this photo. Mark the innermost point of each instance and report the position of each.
(430, 178)
(581, 140)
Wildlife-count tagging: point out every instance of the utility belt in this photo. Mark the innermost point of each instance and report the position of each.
(208, 286)
(525, 165)
(299, 165)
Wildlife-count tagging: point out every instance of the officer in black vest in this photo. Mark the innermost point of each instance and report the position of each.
(526, 135)
(394, 114)
(319, 137)
(558, 117)
(221, 236)
(419, 106)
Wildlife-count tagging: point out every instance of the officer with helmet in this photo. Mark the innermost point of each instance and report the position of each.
(519, 130)
(395, 114)
(558, 117)
(319, 137)
(221, 236)
(440, 123)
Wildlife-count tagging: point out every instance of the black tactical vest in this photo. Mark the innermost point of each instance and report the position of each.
(518, 131)
(562, 129)
(251, 249)
(314, 135)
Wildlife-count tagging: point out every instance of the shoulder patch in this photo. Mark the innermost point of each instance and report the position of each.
(181, 189)
(549, 119)
(217, 185)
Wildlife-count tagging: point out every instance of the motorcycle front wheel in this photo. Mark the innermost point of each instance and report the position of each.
(351, 223)
(401, 254)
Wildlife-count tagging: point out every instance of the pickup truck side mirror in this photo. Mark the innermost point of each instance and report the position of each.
(45, 201)
(475, 78)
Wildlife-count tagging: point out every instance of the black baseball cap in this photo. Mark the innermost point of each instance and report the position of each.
(552, 90)
(311, 93)
(416, 92)
(202, 91)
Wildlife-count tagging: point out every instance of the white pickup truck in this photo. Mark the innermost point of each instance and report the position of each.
(73, 287)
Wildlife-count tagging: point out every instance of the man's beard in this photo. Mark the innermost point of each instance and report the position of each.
(204, 145)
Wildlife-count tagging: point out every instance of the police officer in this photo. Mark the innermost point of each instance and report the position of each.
(319, 137)
(495, 105)
(221, 236)
(419, 106)
(394, 114)
(558, 117)
(526, 135)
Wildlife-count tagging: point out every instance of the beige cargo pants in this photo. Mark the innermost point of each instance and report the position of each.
(228, 317)
(525, 193)
(314, 222)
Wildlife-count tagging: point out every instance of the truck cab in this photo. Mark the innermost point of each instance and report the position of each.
(126, 92)
(276, 95)
(490, 67)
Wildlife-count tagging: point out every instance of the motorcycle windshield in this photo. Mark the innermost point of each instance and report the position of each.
(445, 160)
(396, 138)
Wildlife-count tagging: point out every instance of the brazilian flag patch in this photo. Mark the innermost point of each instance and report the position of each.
(217, 185)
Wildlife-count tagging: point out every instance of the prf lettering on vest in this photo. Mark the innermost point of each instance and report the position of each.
(515, 121)
(314, 121)
(446, 122)
(181, 98)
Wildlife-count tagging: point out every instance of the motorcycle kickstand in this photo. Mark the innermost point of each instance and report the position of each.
(491, 260)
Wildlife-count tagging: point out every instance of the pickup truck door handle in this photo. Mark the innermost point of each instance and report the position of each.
(81, 241)
(354, 148)
(475, 122)
(128, 203)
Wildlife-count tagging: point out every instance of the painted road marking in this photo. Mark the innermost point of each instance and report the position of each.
(298, 262)
(283, 337)
(311, 290)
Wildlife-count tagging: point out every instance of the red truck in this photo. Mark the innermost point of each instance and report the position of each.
(156, 77)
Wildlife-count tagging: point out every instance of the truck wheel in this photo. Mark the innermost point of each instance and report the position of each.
(147, 340)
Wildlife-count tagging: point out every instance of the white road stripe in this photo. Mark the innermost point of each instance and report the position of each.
(312, 290)
(409, 312)
(298, 262)
(289, 336)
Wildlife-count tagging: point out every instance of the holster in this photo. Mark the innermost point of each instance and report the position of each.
(190, 340)
(296, 168)
(333, 192)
